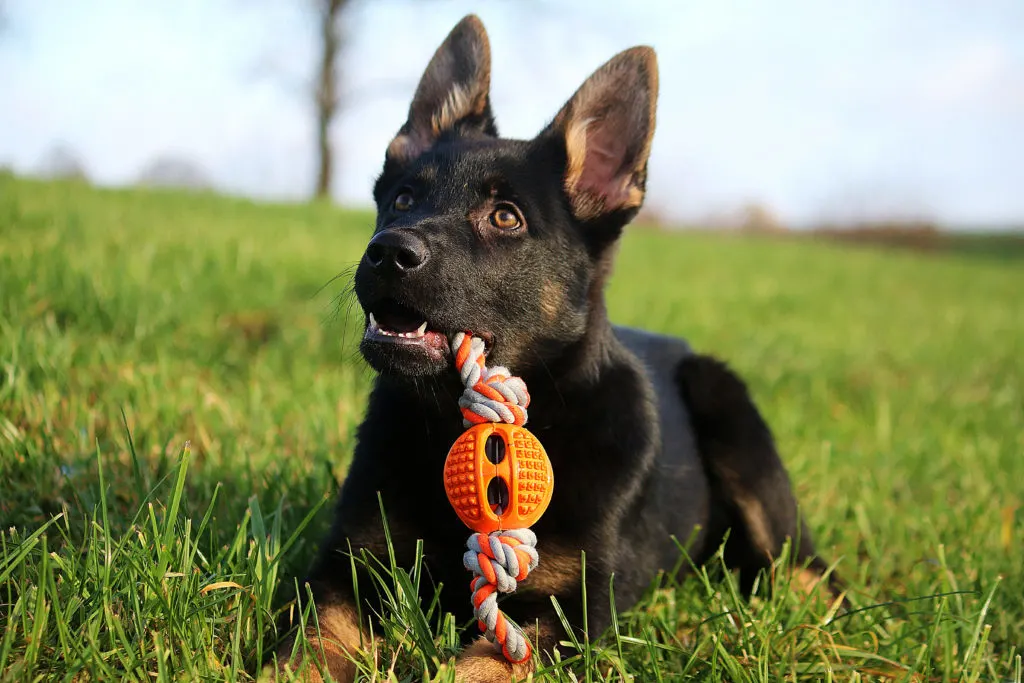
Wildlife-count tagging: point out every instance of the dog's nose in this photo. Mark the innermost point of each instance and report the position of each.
(399, 250)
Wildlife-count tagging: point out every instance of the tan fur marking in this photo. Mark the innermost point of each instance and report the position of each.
(456, 106)
(586, 205)
(754, 516)
(551, 297)
(576, 151)
(429, 114)
(809, 582)
(482, 663)
(584, 108)
(401, 148)
(338, 641)
(634, 197)
(756, 521)
(558, 573)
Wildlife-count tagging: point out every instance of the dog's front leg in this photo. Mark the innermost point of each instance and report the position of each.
(481, 662)
(333, 638)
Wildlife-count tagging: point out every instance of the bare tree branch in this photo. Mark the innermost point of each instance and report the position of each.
(330, 14)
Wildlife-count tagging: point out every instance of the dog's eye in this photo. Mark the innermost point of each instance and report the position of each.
(404, 202)
(505, 217)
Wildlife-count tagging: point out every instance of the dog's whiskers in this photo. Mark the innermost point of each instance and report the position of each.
(344, 272)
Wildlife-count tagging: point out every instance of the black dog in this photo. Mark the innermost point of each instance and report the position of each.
(514, 240)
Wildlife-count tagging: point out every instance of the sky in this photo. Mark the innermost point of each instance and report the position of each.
(839, 110)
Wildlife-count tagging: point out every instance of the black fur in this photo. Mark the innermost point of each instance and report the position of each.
(740, 459)
(647, 439)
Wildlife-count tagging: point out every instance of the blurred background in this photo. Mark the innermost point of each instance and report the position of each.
(793, 114)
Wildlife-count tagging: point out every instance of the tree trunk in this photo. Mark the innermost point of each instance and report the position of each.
(326, 95)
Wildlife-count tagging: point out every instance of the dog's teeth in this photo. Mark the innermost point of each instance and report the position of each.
(374, 327)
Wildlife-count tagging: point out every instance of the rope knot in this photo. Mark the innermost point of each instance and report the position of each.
(491, 394)
(500, 560)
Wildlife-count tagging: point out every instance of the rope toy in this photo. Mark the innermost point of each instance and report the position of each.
(498, 478)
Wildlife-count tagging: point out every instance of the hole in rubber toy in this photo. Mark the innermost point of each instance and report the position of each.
(494, 448)
(497, 495)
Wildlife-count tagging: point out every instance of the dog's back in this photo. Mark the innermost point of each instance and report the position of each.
(718, 467)
(679, 486)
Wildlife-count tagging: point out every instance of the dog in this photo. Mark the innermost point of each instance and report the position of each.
(514, 241)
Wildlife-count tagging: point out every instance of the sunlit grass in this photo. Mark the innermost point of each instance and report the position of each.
(134, 322)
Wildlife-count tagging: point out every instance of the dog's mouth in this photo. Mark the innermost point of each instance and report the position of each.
(390, 322)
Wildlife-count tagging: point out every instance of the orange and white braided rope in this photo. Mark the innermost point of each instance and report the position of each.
(501, 559)
(491, 394)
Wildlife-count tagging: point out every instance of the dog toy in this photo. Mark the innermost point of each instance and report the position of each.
(498, 478)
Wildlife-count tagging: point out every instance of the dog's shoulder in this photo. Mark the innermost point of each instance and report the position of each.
(659, 353)
(659, 357)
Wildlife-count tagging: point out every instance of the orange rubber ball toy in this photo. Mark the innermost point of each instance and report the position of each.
(497, 476)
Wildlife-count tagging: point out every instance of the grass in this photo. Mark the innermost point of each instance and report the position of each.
(133, 323)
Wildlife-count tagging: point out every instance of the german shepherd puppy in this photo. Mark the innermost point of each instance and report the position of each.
(513, 240)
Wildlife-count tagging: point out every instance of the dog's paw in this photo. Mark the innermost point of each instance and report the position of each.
(482, 663)
(306, 667)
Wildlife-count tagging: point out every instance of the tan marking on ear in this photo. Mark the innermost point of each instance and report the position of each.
(586, 205)
(454, 86)
(590, 104)
(576, 151)
(401, 148)
(456, 106)
(551, 297)
(635, 197)
(481, 662)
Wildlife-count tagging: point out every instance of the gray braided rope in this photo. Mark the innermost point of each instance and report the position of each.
(506, 568)
(512, 389)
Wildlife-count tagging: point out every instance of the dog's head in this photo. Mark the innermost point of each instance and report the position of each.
(509, 239)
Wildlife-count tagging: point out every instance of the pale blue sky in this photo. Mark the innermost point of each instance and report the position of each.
(816, 108)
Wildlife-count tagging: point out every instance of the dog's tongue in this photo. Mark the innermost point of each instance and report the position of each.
(437, 340)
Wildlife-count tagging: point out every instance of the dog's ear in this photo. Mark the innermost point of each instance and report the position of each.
(453, 93)
(606, 129)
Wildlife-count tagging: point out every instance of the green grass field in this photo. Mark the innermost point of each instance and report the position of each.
(132, 323)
